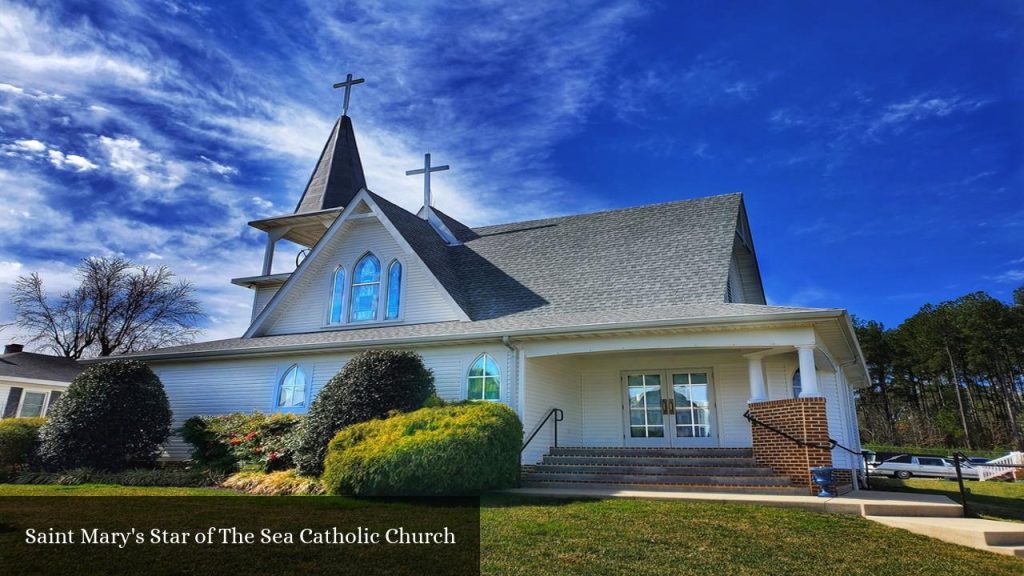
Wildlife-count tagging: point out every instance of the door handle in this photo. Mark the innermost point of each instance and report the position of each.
(664, 406)
(671, 405)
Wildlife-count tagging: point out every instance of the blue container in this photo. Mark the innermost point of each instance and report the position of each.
(823, 478)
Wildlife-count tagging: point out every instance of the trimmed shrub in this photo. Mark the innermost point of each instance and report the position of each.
(372, 385)
(241, 441)
(113, 416)
(171, 477)
(19, 439)
(284, 483)
(457, 449)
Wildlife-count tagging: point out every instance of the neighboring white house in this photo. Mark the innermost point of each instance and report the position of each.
(30, 383)
(646, 326)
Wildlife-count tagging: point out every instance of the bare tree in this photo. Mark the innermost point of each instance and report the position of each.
(118, 307)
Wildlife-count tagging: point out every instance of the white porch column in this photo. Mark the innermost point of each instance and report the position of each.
(808, 373)
(268, 255)
(758, 391)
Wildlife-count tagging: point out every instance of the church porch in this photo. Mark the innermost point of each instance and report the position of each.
(652, 416)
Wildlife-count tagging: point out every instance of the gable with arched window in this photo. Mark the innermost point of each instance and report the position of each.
(484, 379)
(365, 293)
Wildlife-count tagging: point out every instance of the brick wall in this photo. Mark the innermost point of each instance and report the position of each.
(803, 418)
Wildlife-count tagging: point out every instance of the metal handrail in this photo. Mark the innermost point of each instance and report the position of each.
(559, 416)
(960, 456)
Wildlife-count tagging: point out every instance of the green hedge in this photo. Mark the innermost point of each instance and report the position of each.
(243, 441)
(19, 439)
(464, 448)
(114, 416)
(371, 385)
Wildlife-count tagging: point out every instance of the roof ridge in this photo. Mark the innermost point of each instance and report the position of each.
(610, 210)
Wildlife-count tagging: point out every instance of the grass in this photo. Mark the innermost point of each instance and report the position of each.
(105, 490)
(522, 536)
(933, 451)
(992, 499)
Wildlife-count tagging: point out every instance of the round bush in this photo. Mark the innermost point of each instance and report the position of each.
(457, 449)
(372, 385)
(113, 416)
(19, 438)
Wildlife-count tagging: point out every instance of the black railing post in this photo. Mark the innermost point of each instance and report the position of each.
(960, 481)
(558, 416)
(867, 469)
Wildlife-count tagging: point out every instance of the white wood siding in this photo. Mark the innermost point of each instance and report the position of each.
(214, 387)
(306, 309)
(262, 298)
(552, 383)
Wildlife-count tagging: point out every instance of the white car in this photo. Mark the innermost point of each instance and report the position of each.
(905, 466)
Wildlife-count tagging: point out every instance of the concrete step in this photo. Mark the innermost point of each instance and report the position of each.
(648, 461)
(994, 536)
(702, 480)
(617, 451)
(674, 470)
(583, 487)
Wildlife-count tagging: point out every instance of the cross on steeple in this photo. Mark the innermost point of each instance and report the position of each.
(348, 84)
(426, 170)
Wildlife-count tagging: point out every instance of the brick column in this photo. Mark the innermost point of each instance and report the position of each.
(803, 418)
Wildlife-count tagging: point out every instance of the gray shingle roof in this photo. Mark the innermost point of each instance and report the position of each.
(338, 175)
(669, 254)
(38, 366)
(516, 325)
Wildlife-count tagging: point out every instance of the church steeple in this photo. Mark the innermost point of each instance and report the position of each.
(338, 175)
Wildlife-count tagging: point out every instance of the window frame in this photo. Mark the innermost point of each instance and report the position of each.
(352, 287)
(344, 297)
(469, 377)
(279, 383)
(387, 290)
(21, 402)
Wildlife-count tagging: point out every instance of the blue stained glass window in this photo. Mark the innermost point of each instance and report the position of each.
(337, 296)
(365, 289)
(394, 290)
(797, 387)
(484, 379)
(292, 390)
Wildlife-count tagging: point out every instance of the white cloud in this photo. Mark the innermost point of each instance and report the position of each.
(922, 107)
(146, 168)
(218, 168)
(72, 161)
(30, 145)
(1010, 276)
(11, 89)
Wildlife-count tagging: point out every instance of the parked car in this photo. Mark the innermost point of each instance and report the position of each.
(906, 465)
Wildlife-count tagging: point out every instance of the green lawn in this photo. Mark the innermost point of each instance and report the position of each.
(107, 490)
(998, 500)
(640, 537)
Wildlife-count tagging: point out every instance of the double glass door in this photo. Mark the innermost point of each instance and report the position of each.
(668, 408)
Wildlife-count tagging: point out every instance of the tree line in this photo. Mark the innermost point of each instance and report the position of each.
(951, 375)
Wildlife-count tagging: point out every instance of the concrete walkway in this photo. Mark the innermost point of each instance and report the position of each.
(999, 537)
(859, 502)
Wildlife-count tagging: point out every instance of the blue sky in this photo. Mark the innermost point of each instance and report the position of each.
(879, 145)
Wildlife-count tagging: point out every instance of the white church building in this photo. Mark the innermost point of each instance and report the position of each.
(642, 334)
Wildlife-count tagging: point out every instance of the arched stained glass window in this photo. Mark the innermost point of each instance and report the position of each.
(797, 387)
(338, 296)
(291, 391)
(365, 289)
(484, 379)
(394, 290)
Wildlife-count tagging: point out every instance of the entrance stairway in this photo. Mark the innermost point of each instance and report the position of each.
(678, 469)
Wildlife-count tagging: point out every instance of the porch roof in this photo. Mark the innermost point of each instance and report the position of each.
(587, 322)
